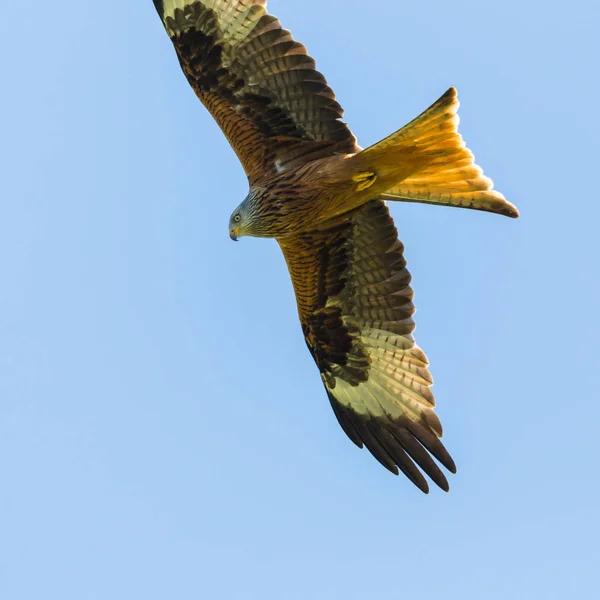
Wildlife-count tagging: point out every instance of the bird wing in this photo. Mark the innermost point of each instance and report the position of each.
(259, 84)
(355, 306)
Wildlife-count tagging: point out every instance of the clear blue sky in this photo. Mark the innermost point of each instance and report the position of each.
(163, 430)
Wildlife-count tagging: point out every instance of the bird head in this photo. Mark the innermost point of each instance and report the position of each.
(243, 218)
(235, 223)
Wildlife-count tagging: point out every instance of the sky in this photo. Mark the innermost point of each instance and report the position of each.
(163, 430)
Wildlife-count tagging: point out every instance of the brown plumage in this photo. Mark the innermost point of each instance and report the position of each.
(323, 198)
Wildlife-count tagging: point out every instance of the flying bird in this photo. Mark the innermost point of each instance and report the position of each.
(322, 197)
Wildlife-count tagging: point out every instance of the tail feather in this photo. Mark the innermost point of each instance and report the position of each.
(442, 168)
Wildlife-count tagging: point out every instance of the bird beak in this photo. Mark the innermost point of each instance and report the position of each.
(234, 233)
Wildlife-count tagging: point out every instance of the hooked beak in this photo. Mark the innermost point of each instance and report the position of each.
(234, 233)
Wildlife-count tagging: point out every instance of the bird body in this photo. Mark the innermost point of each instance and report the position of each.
(323, 198)
(305, 197)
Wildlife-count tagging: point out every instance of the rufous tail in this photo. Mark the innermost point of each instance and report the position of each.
(428, 161)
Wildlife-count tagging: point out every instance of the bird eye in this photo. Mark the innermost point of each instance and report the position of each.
(237, 219)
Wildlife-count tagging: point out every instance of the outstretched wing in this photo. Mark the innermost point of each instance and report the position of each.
(258, 83)
(355, 305)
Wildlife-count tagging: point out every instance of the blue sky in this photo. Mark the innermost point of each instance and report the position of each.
(163, 430)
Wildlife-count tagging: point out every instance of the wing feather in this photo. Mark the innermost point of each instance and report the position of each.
(259, 84)
(355, 306)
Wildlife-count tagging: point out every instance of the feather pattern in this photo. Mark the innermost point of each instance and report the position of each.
(355, 305)
(259, 84)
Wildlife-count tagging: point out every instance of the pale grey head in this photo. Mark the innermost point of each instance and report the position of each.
(248, 217)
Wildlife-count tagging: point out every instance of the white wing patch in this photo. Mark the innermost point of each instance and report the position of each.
(399, 381)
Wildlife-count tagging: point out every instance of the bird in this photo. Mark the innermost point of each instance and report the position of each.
(324, 200)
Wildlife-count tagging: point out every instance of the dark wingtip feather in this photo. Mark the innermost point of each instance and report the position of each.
(418, 481)
(451, 466)
(431, 442)
(160, 7)
(418, 453)
(394, 447)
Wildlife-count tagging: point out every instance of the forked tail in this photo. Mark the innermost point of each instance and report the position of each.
(432, 163)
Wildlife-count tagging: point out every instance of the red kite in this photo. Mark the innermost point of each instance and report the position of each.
(322, 197)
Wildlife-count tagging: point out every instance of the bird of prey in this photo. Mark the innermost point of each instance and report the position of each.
(322, 197)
